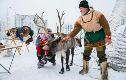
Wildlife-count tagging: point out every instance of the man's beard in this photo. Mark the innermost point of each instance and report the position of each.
(82, 14)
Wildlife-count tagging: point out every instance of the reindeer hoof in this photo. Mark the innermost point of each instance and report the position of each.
(67, 68)
(61, 71)
(71, 64)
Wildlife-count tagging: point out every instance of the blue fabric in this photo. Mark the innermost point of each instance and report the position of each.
(19, 30)
(18, 36)
(37, 41)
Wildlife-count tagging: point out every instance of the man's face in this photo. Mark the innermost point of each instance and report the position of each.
(83, 10)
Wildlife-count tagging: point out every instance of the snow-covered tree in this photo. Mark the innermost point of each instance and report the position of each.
(117, 57)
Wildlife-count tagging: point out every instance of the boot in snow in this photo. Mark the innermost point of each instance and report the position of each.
(54, 63)
(40, 64)
(85, 67)
(104, 71)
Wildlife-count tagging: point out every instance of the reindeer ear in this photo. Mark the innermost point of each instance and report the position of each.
(8, 34)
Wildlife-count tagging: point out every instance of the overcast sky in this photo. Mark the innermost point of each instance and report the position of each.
(70, 7)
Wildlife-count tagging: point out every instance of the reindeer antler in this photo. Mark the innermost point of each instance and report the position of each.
(60, 17)
(36, 18)
(42, 19)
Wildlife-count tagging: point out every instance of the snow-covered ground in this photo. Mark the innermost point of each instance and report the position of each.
(24, 67)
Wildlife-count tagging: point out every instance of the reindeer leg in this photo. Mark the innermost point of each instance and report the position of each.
(67, 60)
(72, 52)
(62, 69)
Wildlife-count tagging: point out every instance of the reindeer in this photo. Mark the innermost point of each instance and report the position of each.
(12, 34)
(58, 45)
(23, 34)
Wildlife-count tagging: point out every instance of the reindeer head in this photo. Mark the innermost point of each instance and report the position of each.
(11, 31)
(57, 44)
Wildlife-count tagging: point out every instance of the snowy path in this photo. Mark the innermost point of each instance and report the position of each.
(25, 68)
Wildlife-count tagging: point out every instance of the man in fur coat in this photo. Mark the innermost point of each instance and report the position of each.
(97, 35)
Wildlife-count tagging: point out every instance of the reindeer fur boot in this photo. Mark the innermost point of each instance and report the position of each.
(104, 71)
(85, 67)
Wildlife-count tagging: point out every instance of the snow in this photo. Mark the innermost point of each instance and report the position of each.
(24, 67)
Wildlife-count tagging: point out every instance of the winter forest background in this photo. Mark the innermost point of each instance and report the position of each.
(16, 13)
